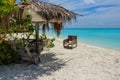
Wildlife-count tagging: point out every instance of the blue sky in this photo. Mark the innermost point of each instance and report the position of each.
(97, 13)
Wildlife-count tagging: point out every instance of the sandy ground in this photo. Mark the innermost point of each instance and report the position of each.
(86, 62)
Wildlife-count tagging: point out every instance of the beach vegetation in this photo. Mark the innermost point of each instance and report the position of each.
(7, 55)
(10, 25)
(49, 43)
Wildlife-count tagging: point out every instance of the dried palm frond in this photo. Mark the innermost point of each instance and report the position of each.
(45, 27)
(57, 27)
(50, 11)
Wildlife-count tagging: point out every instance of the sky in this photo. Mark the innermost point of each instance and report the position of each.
(96, 13)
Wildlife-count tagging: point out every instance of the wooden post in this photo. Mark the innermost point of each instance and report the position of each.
(37, 36)
(37, 30)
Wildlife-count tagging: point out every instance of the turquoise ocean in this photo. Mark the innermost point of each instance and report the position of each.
(107, 38)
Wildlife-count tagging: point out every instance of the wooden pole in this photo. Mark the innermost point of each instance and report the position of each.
(37, 30)
(37, 36)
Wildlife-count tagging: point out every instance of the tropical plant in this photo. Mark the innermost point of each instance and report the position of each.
(49, 43)
(8, 25)
(7, 56)
(6, 8)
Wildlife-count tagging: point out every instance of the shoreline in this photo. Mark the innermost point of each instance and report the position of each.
(104, 47)
(80, 42)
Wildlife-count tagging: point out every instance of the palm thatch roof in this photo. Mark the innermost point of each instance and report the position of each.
(50, 11)
(46, 14)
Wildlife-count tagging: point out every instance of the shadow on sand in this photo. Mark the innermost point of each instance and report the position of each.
(24, 71)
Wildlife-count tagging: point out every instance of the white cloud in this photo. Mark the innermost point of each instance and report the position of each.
(89, 1)
(75, 5)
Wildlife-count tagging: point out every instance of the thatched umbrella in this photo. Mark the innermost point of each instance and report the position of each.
(44, 14)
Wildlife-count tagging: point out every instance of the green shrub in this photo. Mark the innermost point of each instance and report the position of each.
(7, 56)
(49, 43)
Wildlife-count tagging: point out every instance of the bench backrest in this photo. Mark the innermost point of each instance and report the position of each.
(72, 37)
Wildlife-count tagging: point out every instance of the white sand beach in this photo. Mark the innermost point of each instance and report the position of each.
(86, 62)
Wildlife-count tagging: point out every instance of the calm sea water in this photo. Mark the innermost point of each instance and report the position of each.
(108, 38)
